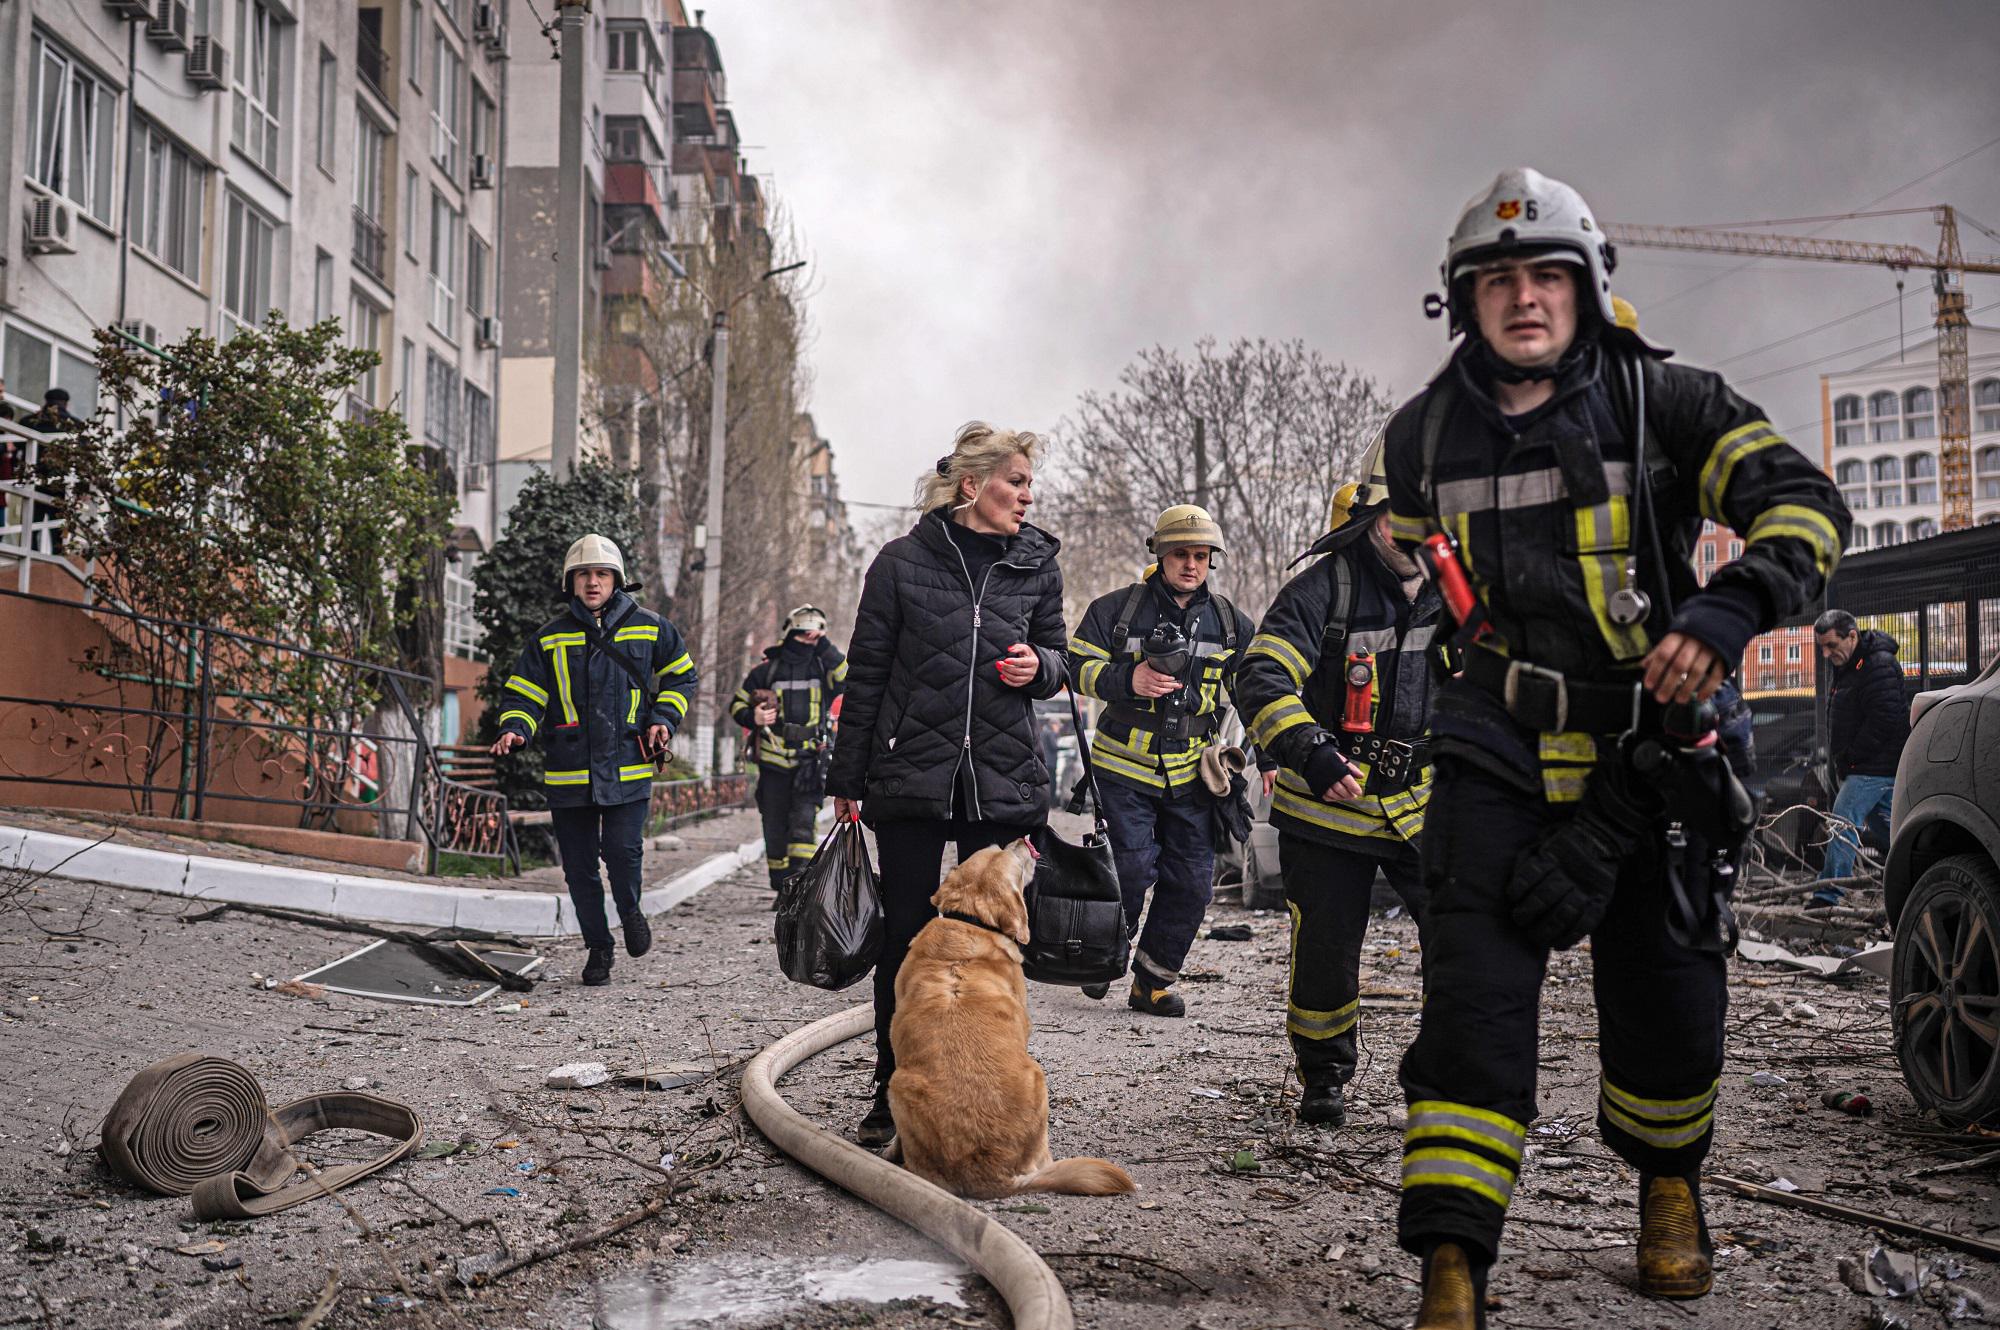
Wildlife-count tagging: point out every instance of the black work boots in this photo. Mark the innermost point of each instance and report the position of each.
(1154, 1001)
(597, 969)
(638, 934)
(1322, 1105)
(878, 1128)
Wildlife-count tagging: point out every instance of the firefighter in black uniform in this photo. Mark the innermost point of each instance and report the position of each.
(1160, 653)
(1571, 465)
(1337, 686)
(786, 701)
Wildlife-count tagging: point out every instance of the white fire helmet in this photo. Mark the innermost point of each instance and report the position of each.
(805, 619)
(1525, 214)
(592, 551)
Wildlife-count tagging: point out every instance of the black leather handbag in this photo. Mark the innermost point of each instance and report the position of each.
(1076, 916)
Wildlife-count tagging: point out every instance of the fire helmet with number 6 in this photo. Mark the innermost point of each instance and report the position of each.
(1526, 215)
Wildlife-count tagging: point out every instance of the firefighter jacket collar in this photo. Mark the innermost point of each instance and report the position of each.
(1577, 374)
(616, 610)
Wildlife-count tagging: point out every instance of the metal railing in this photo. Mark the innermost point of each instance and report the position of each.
(371, 62)
(678, 800)
(371, 243)
(243, 745)
(30, 527)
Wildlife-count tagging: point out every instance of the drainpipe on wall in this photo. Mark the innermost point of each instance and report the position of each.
(493, 514)
(125, 230)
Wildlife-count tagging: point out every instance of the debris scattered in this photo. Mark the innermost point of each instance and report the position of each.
(1887, 1223)
(1230, 933)
(1852, 1102)
(296, 988)
(1768, 1080)
(577, 1076)
(501, 1191)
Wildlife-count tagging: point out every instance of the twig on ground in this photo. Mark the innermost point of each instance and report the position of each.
(310, 1318)
(1125, 1256)
(596, 1235)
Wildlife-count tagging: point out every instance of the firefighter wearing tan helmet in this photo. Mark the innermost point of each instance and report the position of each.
(1160, 654)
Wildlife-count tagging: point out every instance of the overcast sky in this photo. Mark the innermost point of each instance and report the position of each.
(1004, 201)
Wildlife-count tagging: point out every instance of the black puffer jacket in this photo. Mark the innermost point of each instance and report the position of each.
(1868, 718)
(923, 696)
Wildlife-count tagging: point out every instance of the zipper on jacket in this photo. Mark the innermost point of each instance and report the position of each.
(971, 678)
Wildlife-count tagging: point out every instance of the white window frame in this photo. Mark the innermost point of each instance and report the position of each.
(322, 286)
(365, 322)
(61, 366)
(413, 43)
(408, 372)
(1763, 653)
(478, 262)
(412, 189)
(329, 109)
(256, 126)
(169, 201)
(447, 101)
(447, 227)
(250, 237)
(90, 184)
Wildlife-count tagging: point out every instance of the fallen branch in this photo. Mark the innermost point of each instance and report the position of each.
(612, 1229)
(310, 1318)
(1902, 1228)
(1125, 1256)
(333, 925)
(1962, 1166)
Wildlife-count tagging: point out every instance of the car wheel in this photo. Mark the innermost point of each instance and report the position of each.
(1945, 989)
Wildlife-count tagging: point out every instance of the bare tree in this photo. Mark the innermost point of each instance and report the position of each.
(1284, 428)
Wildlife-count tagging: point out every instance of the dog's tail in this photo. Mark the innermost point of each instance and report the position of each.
(1079, 1177)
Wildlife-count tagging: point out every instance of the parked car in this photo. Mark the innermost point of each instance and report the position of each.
(1943, 889)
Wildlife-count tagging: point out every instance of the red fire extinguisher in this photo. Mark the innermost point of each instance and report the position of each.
(1360, 715)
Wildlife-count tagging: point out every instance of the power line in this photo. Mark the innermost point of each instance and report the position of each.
(1819, 327)
(1835, 355)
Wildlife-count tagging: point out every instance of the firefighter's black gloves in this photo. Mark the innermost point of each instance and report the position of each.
(1563, 884)
(1325, 768)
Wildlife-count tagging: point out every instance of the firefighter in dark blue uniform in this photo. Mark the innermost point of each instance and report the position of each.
(604, 685)
(786, 702)
(1337, 686)
(1571, 464)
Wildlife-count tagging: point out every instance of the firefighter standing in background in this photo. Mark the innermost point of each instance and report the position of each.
(604, 685)
(787, 703)
(1160, 653)
(1572, 466)
(1337, 686)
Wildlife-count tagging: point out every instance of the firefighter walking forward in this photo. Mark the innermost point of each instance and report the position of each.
(1160, 653)
(1555, 473)
(1337, 686)
(786, 702)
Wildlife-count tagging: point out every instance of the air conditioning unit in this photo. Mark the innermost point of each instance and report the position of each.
(482, 171)
(489, 331)
(485, 21)
(140, 331)
(208, 63)
(51, 225)
(600, 256)
(497, 43)
(130, 8)
(169, 27)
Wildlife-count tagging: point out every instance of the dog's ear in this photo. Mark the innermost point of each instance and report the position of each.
(948, 891)
(1013, 907)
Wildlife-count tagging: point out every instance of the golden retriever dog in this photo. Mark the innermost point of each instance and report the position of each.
(971, 1106)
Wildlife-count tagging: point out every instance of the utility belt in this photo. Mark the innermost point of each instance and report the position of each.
(1191, 729)
(1394, 765)
(799, 736)
(1553, 702)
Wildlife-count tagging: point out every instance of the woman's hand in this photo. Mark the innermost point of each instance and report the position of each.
(507, 743)
(846, 810)
(1149, 682)
(1019, 666)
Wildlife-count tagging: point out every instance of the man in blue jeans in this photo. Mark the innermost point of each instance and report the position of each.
(1159, 653)
(1868, 720)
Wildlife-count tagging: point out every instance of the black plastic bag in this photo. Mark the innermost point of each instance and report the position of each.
(829, 924)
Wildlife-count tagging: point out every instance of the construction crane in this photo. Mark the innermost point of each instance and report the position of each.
(1947, 267)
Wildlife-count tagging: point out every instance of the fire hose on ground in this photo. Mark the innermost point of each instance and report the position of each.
(1033, 1294)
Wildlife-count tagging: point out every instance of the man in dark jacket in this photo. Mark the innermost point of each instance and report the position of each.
(1557, 469)
(1337, 685)
(1868, 720)
(1159, 653)
(613, 682)
(786, 702)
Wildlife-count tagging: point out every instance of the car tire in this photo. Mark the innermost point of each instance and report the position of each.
(1945, 989)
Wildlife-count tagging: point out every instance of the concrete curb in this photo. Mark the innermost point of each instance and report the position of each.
(345, 895)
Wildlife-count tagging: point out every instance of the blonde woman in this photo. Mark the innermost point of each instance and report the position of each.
(960, 630)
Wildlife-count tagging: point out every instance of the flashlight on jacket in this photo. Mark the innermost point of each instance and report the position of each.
(1359, 718)
(1439, 555)
(1167, 649)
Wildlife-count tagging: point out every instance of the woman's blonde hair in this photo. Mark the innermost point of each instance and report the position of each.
(977, 451)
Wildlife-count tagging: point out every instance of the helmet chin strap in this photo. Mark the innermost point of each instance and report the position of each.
(1501, 370)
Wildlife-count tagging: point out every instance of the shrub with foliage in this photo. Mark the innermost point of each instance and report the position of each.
(517, 586)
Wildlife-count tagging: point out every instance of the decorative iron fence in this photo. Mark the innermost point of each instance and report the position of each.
(676, 800)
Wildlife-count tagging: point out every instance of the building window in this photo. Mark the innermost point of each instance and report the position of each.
(1791, 651)
(461, 629)
(1986, 396)
(626, 139)
(1857, 539)
(1919, 414)
(625, 48)
(1763, 653)
(329, 107)
(1923, 479)
(364, 333)
(407, 372)
(1847, 426)
(1987, 463)
(260, 92)
(75, 118)
(246, 292)
(413, 43)
(371, 144)
(1887, 534)
(32, 365)
(1884, 414)
(322, 286)
(169, 191)
(441, 406)
(447, 94)
(1852, 477)
(1735, 549)
(1794, 679)
(484, 115)
(410, 196)
(478, 254)
(1888, 490)
(1923, 528)
(478, 471)
(444, 266)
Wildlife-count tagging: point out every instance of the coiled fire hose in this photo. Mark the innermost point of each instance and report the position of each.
(199, 1125)
(1031, 1290)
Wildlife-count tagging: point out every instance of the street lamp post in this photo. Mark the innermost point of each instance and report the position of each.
(707, 758)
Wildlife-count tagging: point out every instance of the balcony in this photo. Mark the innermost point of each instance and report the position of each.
(634, 185)
(371, 61)
(694, 104)
(371, 245)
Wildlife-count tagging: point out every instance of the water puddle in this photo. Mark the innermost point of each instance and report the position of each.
(741, 1291)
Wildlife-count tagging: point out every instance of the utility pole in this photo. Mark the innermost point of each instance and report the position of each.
(711, 555)
(1201, 462)
(571, 245)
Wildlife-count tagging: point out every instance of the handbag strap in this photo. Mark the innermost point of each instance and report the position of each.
(1083, 752)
